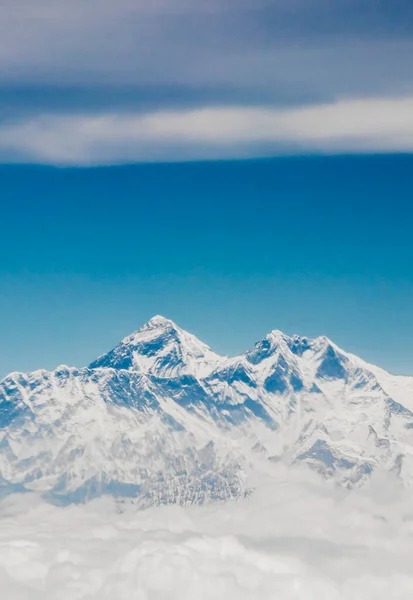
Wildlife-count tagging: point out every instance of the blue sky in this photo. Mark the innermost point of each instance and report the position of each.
(229, 250)
(296, 216)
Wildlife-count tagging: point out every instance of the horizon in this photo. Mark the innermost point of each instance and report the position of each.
(225, 356)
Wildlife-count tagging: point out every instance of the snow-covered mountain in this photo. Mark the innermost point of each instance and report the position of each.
(162, 349)
(164, 419)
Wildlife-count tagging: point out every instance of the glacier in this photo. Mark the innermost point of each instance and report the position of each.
(163, 419)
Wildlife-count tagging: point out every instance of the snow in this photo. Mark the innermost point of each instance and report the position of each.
(164, 471)
(163, 418)
(160, 347)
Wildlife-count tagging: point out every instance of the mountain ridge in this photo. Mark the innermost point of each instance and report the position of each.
(163, 418)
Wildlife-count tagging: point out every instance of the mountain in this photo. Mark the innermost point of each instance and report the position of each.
(162, 418)
(162, 349)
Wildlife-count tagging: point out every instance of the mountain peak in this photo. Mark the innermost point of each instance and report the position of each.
(157, 325)
(159, 321)
(278, 336)
(163, 349)
(268, 346)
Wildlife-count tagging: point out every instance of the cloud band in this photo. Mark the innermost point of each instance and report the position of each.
(363, 125)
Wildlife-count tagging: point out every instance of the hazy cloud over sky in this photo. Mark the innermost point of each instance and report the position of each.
(133, 57)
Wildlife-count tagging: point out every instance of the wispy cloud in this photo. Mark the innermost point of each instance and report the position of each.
(92, 80)
(366, 125)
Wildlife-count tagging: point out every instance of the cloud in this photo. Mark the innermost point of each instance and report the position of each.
(98, 82)
(296, 538)
(365, 125)
(299, 46)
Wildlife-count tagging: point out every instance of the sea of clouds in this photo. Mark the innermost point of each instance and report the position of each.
(295, 537)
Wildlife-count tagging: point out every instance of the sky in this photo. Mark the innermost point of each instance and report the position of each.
(228, 250)
(236, 165)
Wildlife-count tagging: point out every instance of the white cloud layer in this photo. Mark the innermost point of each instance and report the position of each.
(296, 538)
(365, 125)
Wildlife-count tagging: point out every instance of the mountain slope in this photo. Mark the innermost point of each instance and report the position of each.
(161, 348)
(164, 419)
